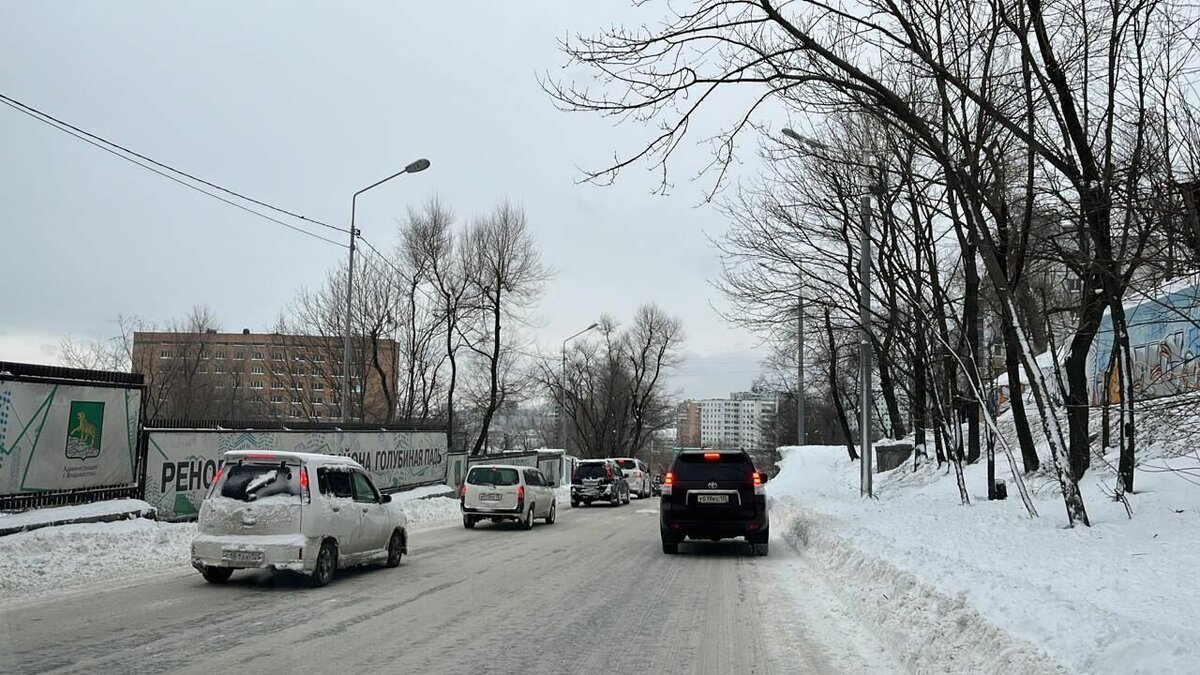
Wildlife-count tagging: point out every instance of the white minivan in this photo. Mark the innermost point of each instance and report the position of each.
(637, 474)
(297, 511)
(502, 492)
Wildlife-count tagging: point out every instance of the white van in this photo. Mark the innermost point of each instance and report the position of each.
(308, 513)
(503, 492)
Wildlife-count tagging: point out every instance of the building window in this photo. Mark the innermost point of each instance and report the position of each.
(239, 356)
(277, 356)
(221, 354)
(297, 386)
(276, 398)
(277, 385)
(165, 354)
(256, 370)
(300, 358)
(319, 400)
(296, 399)
(203, 370)
(258, 356)
(279, 372)
(319, 359)
(296, 412)
(219, 385)
(218, 369)
(300, 373)
(318, 386)
(256, 384)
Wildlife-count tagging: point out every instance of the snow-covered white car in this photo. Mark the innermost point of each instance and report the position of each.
(502, 492)
(296, 511)
(637, 474)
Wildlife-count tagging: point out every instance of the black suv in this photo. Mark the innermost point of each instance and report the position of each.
(598, 480)
(713, 495)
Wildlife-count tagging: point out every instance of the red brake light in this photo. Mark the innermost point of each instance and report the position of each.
(712, 455)
(520, 492)
(305, 495)
(268, 457)
(757, 479)
(669, 479)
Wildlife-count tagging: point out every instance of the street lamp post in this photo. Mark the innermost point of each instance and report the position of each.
(864, 318)
(419, 165)
(562, 390)
(800, 436)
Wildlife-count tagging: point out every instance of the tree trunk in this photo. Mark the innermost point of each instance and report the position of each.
(494, 367)
(971, 326)
(1016, 399)
(835, 391)
(1127, 461)
(888, 387)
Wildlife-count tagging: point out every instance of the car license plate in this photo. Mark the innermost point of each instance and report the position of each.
(712, 499)
(489, 497)
(242, 556)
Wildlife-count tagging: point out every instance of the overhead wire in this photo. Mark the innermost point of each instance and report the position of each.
(146, 163)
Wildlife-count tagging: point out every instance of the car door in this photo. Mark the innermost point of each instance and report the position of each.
(545, 493)
(344, 515)
(534, 492)
(373, 531)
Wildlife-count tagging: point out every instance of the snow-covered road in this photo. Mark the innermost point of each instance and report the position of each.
(592, 593)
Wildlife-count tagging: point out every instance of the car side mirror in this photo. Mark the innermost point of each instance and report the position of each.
(387, 499)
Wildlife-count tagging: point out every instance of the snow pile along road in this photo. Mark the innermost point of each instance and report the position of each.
(986, 588)
(431, 510)
(70, 556)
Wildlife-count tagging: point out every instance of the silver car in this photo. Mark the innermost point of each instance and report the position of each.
(303, 512)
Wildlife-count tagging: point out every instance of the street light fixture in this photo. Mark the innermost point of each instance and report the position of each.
(864, 318)
(414, 167)
(562, 389)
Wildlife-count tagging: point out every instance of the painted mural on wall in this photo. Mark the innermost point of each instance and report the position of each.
(1164, 338)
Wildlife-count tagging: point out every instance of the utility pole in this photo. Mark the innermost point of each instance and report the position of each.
(800, 435)
(864, 348)
(562, 389)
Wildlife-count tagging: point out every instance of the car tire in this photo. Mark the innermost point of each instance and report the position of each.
(762, 549)
(217, 575)
(468, 522)
(326, 565)
(528, 522)
(628, 498)
(615, 500)
(670, 547)
(395, 549)
(551, 516)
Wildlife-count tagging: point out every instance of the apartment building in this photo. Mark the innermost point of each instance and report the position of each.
(687, 422)
(742, 421)
(246, 375)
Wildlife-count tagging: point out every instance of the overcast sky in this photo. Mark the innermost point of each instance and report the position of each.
(300, 105)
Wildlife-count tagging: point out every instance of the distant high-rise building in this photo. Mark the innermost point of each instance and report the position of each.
(687, 422)
(741, 422)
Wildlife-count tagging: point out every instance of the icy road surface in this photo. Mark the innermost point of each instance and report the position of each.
(592, 593)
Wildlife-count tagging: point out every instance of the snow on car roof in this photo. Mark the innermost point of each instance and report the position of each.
(499, 466)
(305, 457)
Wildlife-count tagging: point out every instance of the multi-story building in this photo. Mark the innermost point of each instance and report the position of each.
(742, 421)
(687, 422)
(246, 375)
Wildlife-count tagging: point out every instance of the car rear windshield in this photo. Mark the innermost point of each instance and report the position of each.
(251, 482)
(595, 470)
(627, 463)
(722, 467)
(491, 476)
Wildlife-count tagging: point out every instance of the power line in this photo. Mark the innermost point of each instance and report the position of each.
(104, 144)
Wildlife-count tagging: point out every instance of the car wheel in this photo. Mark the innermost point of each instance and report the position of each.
(615, 500)
(322, 573)
(468, 522)
(670, 547)
(628, 498)
(550, 517)
(528, 522)
(761, 549)
(216, 575)
(395, 549)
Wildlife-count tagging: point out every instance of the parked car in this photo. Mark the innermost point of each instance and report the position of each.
(637, 474)
(598, 480)
(308, 513)
(500, 492)
(713, 495)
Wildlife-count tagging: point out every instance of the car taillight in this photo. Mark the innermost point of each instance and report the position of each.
(712, 456)
(462, 494)
(520, 496)
(305, 495)
(759, 489)
(668, 481)
(608, 472)
(216, 479)
(637, 475)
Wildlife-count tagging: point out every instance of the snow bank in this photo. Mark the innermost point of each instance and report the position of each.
(431, 510)
(953, 582)
(422, 492)
(70, 556)
(63, 514)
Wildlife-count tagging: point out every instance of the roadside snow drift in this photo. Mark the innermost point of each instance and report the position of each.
(986, 588)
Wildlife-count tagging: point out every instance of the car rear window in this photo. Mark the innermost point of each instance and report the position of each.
(627, 463)
(251, 482)
(595, 470)
(491, 476)
(724, 467)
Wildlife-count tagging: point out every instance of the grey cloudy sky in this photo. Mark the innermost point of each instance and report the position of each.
(300, 105)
